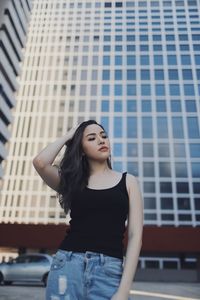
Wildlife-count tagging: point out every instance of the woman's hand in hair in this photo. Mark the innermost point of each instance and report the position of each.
(71, 132)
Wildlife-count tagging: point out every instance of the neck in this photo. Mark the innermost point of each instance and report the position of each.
(98, 167)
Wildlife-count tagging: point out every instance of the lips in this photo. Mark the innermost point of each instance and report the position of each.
(104, 148)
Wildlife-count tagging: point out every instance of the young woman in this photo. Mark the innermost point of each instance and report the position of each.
(89, 263)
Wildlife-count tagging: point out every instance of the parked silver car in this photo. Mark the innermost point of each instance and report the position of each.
(26, 267)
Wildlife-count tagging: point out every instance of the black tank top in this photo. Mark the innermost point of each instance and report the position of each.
(98, 220)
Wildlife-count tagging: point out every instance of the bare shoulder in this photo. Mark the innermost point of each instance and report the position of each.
(131, 179)
(131, 182)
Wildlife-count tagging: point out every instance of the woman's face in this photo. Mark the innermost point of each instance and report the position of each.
(95, 143)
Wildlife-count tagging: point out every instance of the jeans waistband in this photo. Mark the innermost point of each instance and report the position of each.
(89, 255)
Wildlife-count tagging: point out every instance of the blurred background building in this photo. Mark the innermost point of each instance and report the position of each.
(14, 19)
(134, 66)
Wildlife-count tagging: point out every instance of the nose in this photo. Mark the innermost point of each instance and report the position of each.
(100, 140)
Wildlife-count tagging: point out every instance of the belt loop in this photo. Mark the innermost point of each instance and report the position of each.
(102, 258)
(69, 255)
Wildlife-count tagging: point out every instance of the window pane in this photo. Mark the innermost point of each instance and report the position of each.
(148, 169)
(177, 127)
(105, 105)
(195, 169)
(162, 128)
(117, 149)
(147, 127)
(164, 169)
(195, 150)
(183, 203)
(179, 150)
(131, 74)
(132, 168)
(118, 74)
(181, 169)
(167, 203)
(165, 187)
(117, 105)
(145, 74)
(193, 127)
(132, 149)
(149, 187)
(147, 150)
(145, 90)
(131, 106)
(182, 187)
(163, 150)
(118, 127)
(131, 127)
(149, 203)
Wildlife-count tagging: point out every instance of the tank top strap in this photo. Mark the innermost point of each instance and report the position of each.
(123, 182)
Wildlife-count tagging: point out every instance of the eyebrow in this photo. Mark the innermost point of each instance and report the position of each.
(94, 133)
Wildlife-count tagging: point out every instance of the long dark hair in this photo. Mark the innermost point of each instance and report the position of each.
(74, 167)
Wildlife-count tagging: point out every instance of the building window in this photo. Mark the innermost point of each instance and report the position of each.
(179, 150)
(149, 203)
(193, 127)
(194, 150)
(118, 127)
(174, 89)
(105, 90)
(118, 60)
(105, 106)
(159, 75)
(181, 169)
(149, 187)
(163, 150)
(132, 150)
(144, 60)
(167, 203)
(117, 89)
(165, 187)
(177, 127)
(182, 188)
(118, 106)
(117, 149)
(131, 89)
(173, 74)
(131, 106)
(164, 169)
(145, 74)
(131, 127)
(148, 150)
(171, 60)
(158, 60)
(195, 169)
(106, 75)
(148, 169)
(147, 130)
(118, 74)
(160, 89)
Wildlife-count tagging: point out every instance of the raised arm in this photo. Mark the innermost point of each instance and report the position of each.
(43, 161)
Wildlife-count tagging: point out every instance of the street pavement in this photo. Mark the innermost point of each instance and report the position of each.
(139, 291)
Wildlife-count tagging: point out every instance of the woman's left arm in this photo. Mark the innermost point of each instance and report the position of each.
(135, 226)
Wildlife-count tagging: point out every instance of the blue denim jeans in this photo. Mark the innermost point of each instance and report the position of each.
(83, 276)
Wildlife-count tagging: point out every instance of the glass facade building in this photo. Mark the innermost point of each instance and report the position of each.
(14, 19)
(134, 66)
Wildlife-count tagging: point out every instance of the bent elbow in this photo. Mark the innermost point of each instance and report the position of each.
(38, 163)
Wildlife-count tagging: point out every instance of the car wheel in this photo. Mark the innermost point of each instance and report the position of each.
(1, 278)
(45, 279)
(7, 282)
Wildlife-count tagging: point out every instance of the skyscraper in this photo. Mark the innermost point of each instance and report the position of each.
(14, 19)
(134, 66)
